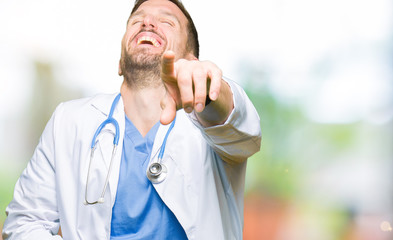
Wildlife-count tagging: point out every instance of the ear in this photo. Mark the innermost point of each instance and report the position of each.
(120, 71)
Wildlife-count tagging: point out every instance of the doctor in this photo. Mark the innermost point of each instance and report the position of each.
(171, 104)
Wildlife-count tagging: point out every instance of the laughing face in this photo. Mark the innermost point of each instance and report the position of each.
(155, 27)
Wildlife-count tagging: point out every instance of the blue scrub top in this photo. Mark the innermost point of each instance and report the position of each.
(138, 212)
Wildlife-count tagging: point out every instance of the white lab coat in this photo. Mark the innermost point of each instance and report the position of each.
(204, 192)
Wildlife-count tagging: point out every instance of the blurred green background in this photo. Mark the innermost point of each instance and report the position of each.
(319, 73)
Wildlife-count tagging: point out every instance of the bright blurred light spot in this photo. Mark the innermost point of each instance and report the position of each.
(385, 226)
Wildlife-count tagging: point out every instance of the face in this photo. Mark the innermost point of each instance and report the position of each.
(155, 27)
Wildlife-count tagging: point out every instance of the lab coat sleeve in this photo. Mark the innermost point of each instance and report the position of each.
(240, 136)
(32, 214)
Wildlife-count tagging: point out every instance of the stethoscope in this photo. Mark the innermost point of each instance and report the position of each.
(156, 172)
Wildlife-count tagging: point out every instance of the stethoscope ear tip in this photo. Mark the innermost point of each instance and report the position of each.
(100, 200)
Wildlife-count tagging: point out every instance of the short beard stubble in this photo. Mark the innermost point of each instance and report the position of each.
(141, 69)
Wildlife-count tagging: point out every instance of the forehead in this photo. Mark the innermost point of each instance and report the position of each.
(156, 7)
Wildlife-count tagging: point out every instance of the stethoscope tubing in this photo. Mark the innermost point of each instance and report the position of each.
(162, 150)
(153, 176)
(109, 120)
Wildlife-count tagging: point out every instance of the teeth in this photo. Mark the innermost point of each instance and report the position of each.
(149, 39)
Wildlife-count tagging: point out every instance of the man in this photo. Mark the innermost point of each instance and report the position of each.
(208, 130)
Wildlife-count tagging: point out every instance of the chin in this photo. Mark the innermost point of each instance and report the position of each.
(146, 57)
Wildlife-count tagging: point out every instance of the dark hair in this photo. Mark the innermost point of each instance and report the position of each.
(192, 34)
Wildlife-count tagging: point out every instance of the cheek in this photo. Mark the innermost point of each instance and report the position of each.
(179, 41)
(182, 43)
(123, 40)
(182, 38)
(130, 34)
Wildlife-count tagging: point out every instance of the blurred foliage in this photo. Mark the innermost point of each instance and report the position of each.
(8, 180)
(271, 169)
(291, 142)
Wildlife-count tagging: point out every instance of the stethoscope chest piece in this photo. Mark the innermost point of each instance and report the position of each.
(156, 172)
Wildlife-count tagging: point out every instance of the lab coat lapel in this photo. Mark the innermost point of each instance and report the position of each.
(175, 190)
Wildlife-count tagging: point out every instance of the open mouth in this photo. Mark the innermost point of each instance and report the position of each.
(148, 40)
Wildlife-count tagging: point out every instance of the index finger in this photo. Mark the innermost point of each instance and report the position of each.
(168, 66)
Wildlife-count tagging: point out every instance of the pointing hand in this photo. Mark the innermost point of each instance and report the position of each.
(187, 82)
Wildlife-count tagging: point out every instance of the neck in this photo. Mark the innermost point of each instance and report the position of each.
(140, 79)
(142, 105)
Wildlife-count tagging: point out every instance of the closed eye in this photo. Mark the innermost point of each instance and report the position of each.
(135, 22)
(168, 22)
(136, 19)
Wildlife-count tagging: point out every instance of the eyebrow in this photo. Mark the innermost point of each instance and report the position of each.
(163, 12)
(168, 14)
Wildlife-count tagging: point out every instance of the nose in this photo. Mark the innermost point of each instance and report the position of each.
(149, 22)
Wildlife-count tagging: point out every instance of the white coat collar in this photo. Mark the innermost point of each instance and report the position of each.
(103, 103)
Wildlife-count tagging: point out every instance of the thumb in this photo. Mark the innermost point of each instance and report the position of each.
(168, 113)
